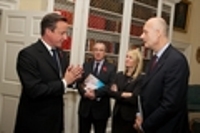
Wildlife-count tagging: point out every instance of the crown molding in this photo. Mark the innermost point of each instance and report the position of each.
(9, 4)
(173, 1)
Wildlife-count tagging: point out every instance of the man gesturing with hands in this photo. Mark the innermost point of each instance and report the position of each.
(44, 74)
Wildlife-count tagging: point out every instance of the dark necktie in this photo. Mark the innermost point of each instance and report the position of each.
(154, 61)
(96, 68)
(57, 61)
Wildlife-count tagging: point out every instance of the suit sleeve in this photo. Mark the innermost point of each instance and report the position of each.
(115, 95)
(174, 94)
(33, 84)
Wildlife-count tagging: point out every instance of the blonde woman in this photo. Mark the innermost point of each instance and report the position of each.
(124, 90)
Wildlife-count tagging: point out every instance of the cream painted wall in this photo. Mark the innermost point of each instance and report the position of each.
(33, 5)
(195, 42)
(192, 37)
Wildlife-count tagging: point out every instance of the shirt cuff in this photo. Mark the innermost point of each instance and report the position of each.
(140, 127)
(138, 114)
(65, 85)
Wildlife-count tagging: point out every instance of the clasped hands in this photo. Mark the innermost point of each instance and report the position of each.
(73, 73)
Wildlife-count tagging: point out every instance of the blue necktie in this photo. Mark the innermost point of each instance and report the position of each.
(57, 61)
(96, 68)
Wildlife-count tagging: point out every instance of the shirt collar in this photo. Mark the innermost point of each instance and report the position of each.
(160, 52)
(49, 48)
(100, 62)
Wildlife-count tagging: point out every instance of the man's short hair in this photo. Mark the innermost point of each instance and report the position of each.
(49, 21)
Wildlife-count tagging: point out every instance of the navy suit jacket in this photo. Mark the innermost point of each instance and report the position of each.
(164, 94)
(99, 107)
(41, 103)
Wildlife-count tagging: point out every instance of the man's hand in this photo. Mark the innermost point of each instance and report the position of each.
(90, 94)
(73, 73)
(138, 123)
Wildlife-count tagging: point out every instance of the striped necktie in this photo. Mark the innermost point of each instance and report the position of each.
(57, 61)
(154, 62)
(96, 68)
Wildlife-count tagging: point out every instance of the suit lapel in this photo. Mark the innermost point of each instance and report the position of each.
(104, 68)
(91, 66)
(153, 73)
(88, 68)
(158, 66)
(45, 53)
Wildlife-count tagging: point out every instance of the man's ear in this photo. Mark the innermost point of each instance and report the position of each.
(158, 32)
(48, 31)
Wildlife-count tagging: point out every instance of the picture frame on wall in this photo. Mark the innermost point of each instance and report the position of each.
(182, 15)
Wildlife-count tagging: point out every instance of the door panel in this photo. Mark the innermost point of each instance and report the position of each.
(19, 29)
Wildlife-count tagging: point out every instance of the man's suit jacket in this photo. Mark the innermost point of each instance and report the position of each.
(126, 107)
(164, 94)
(99, 107)
(41, 104)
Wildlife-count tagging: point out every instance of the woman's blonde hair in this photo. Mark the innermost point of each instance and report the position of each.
(136, 54)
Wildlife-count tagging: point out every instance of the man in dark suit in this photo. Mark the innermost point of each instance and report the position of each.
(164, 91)
(94, 106)
(44, 77)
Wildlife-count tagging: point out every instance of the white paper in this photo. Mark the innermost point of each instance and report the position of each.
(93, 82)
